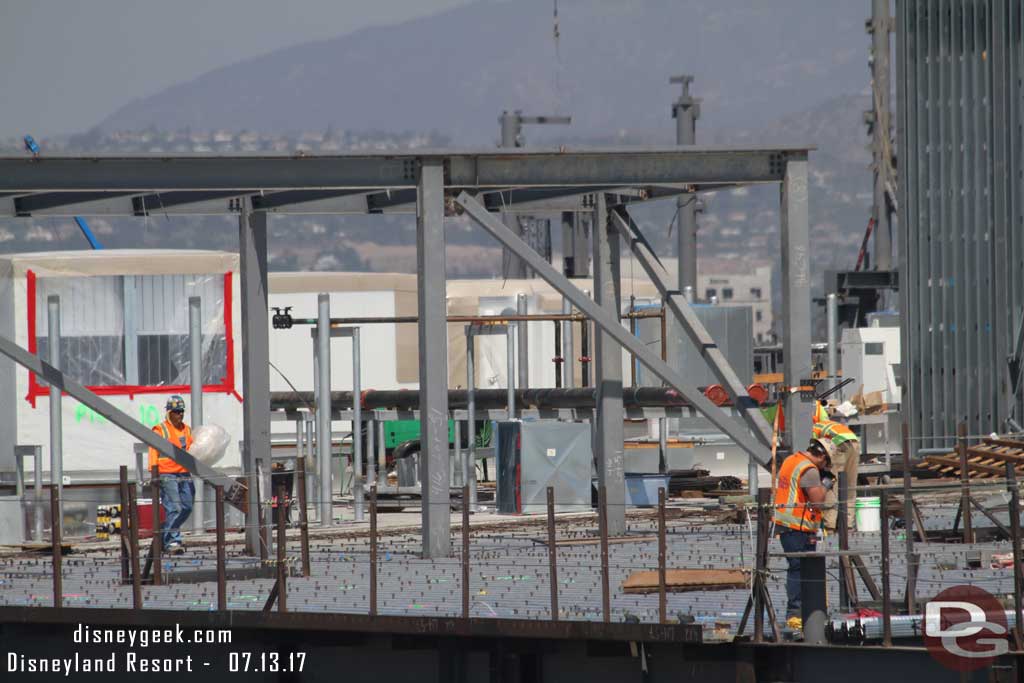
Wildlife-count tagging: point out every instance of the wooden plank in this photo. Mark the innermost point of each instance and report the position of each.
(683, 580)
(954, 464)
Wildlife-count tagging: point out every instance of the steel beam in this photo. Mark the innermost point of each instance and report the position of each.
(613, 326)
(73, 204)
(490, 168)
(252, 248)
(608, 446)
(796, 301)
(697, 333)
(433, 357)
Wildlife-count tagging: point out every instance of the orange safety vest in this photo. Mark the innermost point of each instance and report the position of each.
(791, 505)
(830, 429)
(181, 438)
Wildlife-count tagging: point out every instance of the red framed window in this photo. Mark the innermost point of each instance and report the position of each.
(128, 335)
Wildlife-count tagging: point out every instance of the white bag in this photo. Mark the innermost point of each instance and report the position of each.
(209, 443)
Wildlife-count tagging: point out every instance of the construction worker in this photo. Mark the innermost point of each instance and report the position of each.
(177, 492)
(846, 459)
(799, 497)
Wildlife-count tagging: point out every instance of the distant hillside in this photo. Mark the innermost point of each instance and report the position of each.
(454, 72)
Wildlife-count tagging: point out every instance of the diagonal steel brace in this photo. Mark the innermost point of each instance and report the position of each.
(698, 334)
(609, 323)
(234, 492)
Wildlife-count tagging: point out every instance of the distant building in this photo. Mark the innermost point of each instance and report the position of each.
(739, 283)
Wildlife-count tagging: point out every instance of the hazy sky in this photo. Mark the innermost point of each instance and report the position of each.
(66, 64)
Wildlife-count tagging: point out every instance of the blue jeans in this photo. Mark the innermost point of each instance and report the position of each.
(176, 494)
(794, 541)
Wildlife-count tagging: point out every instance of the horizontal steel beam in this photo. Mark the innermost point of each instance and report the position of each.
(234, 492)
(611, 325)
(466, 169)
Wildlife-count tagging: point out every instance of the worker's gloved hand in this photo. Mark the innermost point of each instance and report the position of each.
(828, 480)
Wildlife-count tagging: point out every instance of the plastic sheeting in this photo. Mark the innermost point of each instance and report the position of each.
(132, 330)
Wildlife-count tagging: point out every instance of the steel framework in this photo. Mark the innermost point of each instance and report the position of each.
(961, 213)
(255, 186)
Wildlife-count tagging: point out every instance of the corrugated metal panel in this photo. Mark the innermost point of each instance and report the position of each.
(959, 67)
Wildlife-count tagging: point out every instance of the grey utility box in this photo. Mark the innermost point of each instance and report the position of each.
(535, 455)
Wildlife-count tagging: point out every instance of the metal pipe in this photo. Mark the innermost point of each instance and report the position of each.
(481, 319)
(300, 471)
(381, 451)
(552, 554)
(123, 472)
(409, 399)
(602, 523)
(559, 359)
(1011, 479)
(965, 483)
(371, 450)
(195, 372)
(465, 553)
(471, 410)
(634, 329)
(908, 520)
(662, 553)
(510, 370)
(373, 550)
(140, 470)
(663, 445)
(55, 534)
(323, 406)
(460, 463)
(886, 598)
(523, 336)
(282, 566)
(37, 464)
(309, 422)
(568, 352)
(357, 431)
(832, 325)
(222, 578)
(585, 348)
(133, 548)
(56, 423)
(158, 539)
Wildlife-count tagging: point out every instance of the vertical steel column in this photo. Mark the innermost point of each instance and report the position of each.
(610, 437)
(357, 431)
(459, 461)
(796, 299)
(886, 599)
(195, 372)
(686, 111)
(158, 539)
(602, 523)
(688, 293)
(510, 369)
(471, 413)
(568, 349)
(56, 550)
(252, 248)
(585, 359)
(56, 422)
(465, 553)
(123, 497)
(832, 316)
(323, 407)
(433, 360)
(522, 343)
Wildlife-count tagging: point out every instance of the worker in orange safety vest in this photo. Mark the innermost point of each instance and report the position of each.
(846, 459)
(799, 497)
(177, 492)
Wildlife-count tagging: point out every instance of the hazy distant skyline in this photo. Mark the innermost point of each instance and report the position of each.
(67, 64)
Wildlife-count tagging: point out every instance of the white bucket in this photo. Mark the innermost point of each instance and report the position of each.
(868, 511)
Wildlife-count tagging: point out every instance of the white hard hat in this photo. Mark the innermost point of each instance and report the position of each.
(826, 446)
